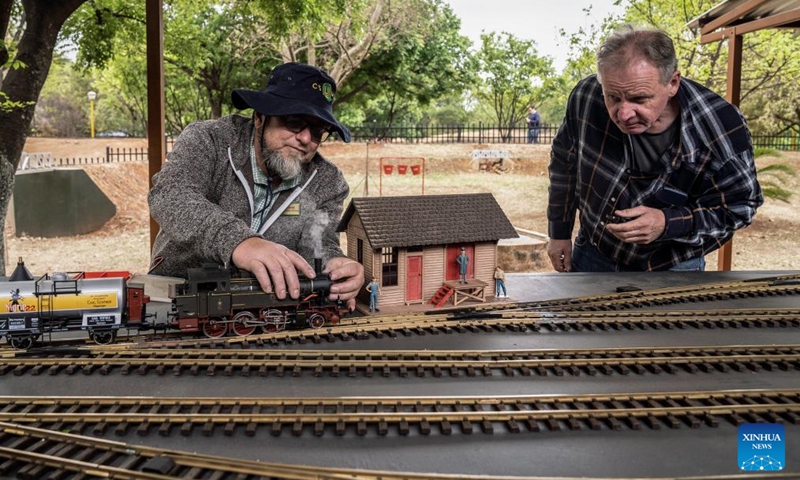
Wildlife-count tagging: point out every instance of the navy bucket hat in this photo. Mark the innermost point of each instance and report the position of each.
(294, 89)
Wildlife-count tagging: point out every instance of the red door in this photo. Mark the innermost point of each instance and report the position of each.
(451, 266)
(413, 278)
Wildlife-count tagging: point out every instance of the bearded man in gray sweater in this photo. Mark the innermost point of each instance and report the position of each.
(255, 192)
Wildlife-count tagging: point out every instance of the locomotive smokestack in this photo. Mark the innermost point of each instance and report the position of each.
(318, 266)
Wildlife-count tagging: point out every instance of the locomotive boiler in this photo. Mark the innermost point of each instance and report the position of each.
(215, 302)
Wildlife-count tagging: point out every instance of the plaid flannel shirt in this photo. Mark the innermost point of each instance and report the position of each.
(707, 191)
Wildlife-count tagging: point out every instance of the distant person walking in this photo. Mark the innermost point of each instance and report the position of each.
(533, 120)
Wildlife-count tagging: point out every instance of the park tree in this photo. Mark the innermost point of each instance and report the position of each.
(203, 57)
(62, 107)
(581, 62)
(38, 28)
(512, 77)
(425, 61)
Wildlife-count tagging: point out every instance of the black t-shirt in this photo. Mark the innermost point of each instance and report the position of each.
(647, 149)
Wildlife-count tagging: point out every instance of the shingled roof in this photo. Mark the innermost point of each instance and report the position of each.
(429, 219)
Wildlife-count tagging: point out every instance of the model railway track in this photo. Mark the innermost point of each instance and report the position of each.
(498, 321)
(362, 415)
(787, 285)
(604, 361)
(671, 296)
(34, 453)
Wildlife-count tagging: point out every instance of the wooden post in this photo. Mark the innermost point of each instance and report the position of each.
(155, 96)
(732, 94)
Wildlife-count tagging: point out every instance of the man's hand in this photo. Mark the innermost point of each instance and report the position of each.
(560, 253)
(274, 265)
(347, 277)
(644, 225)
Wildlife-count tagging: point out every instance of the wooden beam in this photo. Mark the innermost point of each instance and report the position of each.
(733, 95)
(774, 21)
(156, 140)
(725, 20)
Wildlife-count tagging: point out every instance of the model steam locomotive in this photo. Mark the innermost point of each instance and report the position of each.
(213, 300)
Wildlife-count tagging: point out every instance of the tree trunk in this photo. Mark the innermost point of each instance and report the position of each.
(43, 21)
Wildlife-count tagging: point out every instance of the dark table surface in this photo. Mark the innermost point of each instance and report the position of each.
(603, 453)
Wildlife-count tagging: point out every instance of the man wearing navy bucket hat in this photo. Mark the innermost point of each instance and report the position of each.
(255, 191)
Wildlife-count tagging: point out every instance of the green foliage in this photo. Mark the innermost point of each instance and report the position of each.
(426, 60)
(7, 104)
(122, 96)
(778, 169)
(581, 62)
(8, 49)
(512, 77)
(98, 27)
(63, 107)
(765, 152)
(772, 178)
(283, 17)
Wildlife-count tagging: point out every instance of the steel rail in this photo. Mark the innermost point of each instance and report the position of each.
(501, 321)
(603, 360)
(30, 403)
(790, 281)
(135, 462)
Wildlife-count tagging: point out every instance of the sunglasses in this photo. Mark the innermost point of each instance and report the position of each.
(319, 133)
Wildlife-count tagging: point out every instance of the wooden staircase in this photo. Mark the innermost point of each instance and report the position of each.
(441, 296)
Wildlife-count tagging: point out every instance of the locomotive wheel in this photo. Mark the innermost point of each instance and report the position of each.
(316, 321)
(21, 342)
(103, 337)
(215, 328)
(244, 324)
(273, 321)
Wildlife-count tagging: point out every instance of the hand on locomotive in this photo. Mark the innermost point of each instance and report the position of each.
(255, 192)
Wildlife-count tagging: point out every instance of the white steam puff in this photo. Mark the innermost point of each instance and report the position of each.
(319, 221)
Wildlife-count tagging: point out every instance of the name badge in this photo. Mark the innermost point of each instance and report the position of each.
(293, 210)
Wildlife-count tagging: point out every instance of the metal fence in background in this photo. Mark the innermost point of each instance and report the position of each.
(787, 142)
(120, 155)
(518, 135)
(430, 134)
(479, 133)
(33, 161)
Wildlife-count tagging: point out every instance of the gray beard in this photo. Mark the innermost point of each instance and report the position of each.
(285, 168)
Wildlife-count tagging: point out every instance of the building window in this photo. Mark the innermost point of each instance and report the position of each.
(389, 263)
(360, 251)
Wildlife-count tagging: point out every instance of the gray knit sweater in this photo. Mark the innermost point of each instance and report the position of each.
(205, 210)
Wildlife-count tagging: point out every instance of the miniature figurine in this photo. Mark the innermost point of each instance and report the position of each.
(499, 281)
(374, 289)
(463, 263)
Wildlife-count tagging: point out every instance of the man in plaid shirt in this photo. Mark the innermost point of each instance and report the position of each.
(660, 167)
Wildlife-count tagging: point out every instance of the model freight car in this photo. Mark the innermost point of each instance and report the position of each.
(33, 307)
